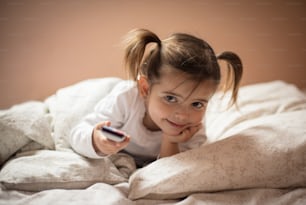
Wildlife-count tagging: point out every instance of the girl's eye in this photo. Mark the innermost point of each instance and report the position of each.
(198, 105)
(170, 99)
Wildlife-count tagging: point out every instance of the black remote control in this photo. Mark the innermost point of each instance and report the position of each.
(113, 134)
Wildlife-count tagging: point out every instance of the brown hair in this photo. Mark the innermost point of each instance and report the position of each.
(181, 51)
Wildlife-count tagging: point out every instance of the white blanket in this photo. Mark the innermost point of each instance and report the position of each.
(254, 155)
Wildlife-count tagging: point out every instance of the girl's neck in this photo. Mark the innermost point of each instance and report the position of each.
(149, 124)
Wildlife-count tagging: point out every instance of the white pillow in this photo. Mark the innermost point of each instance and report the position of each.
(254, 101)
(22, 124)
(267, 152)
(70, 104)
(46, 169)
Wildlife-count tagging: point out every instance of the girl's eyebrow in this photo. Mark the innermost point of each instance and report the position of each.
(202, 100)
(172, 93)
(178, 95)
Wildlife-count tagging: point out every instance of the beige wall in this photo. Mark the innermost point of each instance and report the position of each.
(49, 44)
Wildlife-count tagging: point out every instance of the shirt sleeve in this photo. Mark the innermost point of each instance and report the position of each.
(110, 108)
(81, 140)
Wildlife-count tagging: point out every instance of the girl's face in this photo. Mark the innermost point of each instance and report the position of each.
(175, 102)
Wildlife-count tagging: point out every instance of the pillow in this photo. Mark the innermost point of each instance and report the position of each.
(49, 169)
(268, 152)
(254, 101)
(70, 104)
(22, 124)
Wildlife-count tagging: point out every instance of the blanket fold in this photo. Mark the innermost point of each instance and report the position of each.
(22, 124)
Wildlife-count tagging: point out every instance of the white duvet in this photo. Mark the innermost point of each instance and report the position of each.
(254, 155)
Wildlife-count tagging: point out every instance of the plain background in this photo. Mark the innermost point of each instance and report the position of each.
(49, 44)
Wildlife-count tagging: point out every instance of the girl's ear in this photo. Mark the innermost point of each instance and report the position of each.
(143, 85)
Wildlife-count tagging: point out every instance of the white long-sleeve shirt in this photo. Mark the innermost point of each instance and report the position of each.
(125, 109)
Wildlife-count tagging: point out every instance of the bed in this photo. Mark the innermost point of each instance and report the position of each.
(254, 154)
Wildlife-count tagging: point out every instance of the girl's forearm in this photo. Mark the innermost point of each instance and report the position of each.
(168, 148)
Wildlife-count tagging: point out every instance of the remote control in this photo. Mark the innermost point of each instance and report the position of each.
(113, 134)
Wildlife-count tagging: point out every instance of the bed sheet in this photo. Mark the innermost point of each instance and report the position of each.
(101, 193)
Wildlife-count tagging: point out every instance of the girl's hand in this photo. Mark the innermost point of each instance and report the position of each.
(103, 145)
(169, 145)
(185, 135)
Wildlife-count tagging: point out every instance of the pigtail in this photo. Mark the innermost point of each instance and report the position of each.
(234, 73)
(135, 46)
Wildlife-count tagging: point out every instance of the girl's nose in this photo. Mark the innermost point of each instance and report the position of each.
(181, 114)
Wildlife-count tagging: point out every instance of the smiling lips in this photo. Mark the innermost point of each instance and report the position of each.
(175, 125)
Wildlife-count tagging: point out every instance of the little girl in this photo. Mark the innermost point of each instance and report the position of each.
(163, 108)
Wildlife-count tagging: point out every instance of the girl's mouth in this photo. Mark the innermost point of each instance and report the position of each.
(176, 125)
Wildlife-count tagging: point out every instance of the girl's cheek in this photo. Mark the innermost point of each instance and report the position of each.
(156, 108)
(161, 109)
(197, 117)
(164, 110)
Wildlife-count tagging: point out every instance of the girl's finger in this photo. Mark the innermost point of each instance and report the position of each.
(101, 124)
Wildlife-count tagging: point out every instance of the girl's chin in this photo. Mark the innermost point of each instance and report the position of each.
(172, 133)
